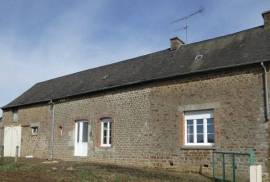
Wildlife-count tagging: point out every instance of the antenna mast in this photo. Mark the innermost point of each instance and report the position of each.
(185, 18)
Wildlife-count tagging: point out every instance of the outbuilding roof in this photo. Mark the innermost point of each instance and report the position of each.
(242, 48)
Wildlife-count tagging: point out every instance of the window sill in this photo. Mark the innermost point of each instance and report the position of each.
(106, 146)
(198, 147)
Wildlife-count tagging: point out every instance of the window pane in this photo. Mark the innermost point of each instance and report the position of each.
(199, 138)
(104, 140)
(210, 129)
(85, 132)
(105, 132)
(189, 122)
(200, 129)
(190, 139)
(105, 135)
(78, 132)
(199, 121)
(110, 133)
(110, 139)
(105, 125)
(190, 130)
(210, 121)
(210, 125)
(211, 138)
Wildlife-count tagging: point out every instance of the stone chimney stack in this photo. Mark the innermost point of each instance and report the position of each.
(266, 18)
(176, 43)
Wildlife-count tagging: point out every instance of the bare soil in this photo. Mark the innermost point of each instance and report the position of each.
(28, 170)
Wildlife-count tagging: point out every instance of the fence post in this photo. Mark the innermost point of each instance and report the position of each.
(213, 165)
(17, 153)
(252, 157)
(234, 167)
(223, 168)
(255, 173)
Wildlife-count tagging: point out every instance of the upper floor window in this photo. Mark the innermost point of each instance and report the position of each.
(106, 132)
(15, 115)
(199, 128)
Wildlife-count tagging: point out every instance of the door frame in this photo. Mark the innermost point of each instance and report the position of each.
(81, 147)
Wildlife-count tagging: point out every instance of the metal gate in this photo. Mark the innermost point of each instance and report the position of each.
(232, 166)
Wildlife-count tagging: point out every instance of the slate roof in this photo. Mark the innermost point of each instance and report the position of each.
(242, 48)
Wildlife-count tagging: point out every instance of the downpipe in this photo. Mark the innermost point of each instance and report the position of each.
(266, 99)
(52, 130)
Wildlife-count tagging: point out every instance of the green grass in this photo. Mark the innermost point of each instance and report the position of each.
(35, 170)
(9, 167)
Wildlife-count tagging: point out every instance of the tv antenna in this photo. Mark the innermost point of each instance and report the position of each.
(185, 18)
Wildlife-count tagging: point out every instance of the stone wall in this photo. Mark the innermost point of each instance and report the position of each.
(237, 101)
(148, 121)
(32, 145)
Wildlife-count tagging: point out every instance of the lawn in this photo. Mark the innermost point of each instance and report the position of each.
(28, 170)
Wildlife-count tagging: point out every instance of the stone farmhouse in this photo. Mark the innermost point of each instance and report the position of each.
(168, 109)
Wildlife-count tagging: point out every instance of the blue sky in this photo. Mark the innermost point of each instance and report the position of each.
(42, 39)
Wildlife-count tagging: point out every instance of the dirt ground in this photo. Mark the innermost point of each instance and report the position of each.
(28, 170)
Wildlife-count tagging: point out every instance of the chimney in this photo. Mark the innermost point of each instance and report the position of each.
(176, 43)
(266, 17)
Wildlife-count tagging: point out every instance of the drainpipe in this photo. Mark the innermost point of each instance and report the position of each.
(265, 92)
(52, 130)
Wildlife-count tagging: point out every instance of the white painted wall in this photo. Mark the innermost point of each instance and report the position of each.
(12, 138)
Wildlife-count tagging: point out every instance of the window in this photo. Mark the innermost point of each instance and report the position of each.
(34, 130)
(106, 132)
(82, 131)
(199, 128)
(15, 115)
(85, 132)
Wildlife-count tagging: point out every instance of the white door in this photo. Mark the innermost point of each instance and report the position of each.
(12, 138)
(81, 138)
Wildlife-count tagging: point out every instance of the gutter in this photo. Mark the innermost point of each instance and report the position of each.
(51, 148)
(265, 85)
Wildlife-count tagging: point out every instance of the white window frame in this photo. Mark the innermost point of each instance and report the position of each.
(195, 115)
(109, 123)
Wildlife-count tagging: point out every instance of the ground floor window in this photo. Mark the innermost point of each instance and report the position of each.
(34, 130)
(106, 132)
(199, 128)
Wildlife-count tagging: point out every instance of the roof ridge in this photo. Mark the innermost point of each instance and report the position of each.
(148, 54)
(224, 36)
